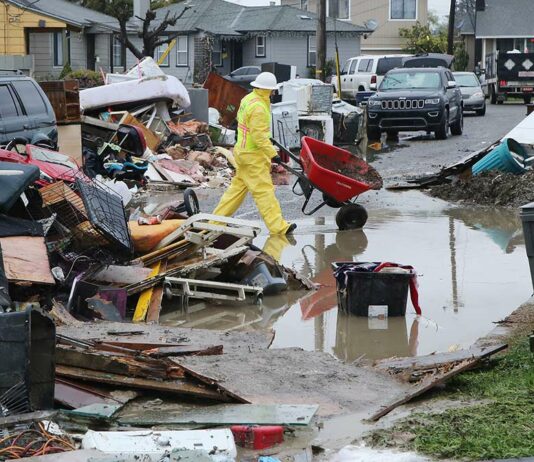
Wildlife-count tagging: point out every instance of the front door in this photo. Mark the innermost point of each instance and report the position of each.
(91, 60)
(237, 55)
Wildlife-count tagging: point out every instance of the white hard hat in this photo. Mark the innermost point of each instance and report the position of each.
(265, 80)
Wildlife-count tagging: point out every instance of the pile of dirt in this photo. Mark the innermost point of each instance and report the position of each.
(490, 188)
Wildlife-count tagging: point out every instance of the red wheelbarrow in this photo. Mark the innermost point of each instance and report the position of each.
(338, 174)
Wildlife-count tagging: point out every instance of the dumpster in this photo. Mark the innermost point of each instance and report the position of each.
(374, 284)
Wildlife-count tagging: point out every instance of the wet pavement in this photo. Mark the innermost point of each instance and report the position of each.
(472, 270)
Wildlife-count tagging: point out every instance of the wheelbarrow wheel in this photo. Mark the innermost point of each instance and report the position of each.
(332, 202)
(191, 202)
(351, 216)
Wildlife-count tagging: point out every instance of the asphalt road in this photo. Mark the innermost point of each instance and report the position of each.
(419, 153)
(413, 155)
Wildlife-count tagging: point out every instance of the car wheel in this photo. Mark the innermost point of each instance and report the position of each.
(481, 112)
(373, 133)
(457, 128)
(443, 131)
(493, 95)
(527, 99)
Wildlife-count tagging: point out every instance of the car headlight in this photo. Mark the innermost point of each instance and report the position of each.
(432, 102)
(373, 103)
(478, 94)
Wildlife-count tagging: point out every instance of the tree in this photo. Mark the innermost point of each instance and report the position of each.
(421, 39)
(152, 35)
(466, 11)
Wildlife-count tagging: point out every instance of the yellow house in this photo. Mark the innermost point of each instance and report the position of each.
(57, 32)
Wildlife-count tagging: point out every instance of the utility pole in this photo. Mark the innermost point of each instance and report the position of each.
(450, 37)
(321, 41)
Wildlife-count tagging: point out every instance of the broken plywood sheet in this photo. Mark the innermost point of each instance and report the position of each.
(240, 414)
(153, 333)
(26, 260)
(296, 376)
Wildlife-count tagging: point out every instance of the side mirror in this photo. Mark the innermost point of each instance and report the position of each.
(373, 87)
(451, 84)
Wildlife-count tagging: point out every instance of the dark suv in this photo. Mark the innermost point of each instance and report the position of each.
(416, 99)
(25, 111)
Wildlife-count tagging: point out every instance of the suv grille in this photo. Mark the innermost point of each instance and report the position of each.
(403, 104)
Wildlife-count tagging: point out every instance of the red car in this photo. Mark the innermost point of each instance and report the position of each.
(53, 165)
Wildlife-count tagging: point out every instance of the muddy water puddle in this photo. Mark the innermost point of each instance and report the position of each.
(472, 270)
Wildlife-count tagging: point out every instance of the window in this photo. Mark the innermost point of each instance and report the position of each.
(339, 9)
(31, 97)
(260, 46)
(353, 66)
(182, 50)
(411, 81)
(118, 52)
(7, 103)
(304, 5)
(217, 53)
(386, 64)
(403, 9)
(365, 65)
(160, 51)
(312, 55)
(58, 49)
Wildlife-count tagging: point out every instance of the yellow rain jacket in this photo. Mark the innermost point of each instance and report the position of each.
(253, 153)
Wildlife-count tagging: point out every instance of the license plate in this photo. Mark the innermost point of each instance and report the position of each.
(527, 89)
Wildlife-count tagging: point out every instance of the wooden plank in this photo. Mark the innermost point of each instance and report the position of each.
(36, 416)
(145, 298)
(152, 140)
(26, 260)
(397, 365)
(184, 350)
(178, 387)
(424, 386)
(154, 305)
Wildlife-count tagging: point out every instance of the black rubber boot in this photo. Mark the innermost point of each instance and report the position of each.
(292, 227)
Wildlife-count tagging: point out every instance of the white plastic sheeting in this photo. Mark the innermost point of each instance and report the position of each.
(365, 454)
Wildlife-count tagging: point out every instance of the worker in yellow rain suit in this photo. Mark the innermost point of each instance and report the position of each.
(253, 153)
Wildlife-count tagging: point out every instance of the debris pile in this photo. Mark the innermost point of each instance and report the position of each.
(489, 188)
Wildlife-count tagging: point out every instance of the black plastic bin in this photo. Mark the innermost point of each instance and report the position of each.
(527, 218)
(27, 349)
(366, 288)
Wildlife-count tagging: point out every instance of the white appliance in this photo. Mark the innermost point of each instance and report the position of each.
(285, 124)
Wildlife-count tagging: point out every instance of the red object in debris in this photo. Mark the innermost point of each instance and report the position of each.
(257, 437)
(150, 220)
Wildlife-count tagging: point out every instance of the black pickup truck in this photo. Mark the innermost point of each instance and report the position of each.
(416, 99)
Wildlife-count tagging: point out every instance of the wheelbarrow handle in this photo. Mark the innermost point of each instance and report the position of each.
(287, 151)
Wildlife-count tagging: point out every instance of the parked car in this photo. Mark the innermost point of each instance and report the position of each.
(365, 73)
(416, 99)
(25, 111)
(472, 94)
(428, 60)
(244, 75)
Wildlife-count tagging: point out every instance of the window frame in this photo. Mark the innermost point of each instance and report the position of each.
(256, 46)
(220, 63)
(158, 55)
(304, 5)
(19, 92)
(339, 19)
(186, 51)
(311, 49)
(404, 19)
(58, 39)
(14, 99)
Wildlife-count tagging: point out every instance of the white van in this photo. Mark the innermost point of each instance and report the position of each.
(365, 73)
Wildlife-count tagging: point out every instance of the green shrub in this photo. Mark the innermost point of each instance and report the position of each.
(86, 78)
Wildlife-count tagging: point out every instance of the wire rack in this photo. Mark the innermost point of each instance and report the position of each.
(89, 212)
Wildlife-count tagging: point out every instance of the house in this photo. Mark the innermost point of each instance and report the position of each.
(223, 36)
(497, 26)
(55, 32)
(384, 17)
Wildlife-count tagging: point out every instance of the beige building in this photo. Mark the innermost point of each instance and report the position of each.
(388, 16)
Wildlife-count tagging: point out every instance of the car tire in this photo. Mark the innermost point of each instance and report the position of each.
(493, 95)
(481, 112)
(527, 99)
(457, 128)
(442, 132)
(373, 133)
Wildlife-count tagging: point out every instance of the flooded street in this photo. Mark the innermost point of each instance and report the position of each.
(472, 270)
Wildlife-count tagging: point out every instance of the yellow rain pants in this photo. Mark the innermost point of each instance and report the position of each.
(253, 153)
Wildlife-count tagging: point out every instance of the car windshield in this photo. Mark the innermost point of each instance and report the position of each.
(51, 157)
(411, 80)
(466, 80)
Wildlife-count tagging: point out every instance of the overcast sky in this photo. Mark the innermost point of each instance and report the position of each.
(441, 7)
